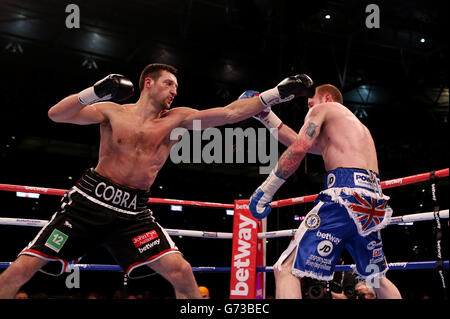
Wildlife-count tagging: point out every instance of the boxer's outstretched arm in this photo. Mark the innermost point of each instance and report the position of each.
(288, 89)
(70, 110)
(232, 113)
(235, 112)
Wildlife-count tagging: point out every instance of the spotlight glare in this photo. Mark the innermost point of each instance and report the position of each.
(230, 212)
(27, 195)
(176, 208)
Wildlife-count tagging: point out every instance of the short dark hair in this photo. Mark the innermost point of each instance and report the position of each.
(154, 71)
(332, 90)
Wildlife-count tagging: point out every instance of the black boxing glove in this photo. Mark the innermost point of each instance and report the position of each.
(291, 87)
(113, 87)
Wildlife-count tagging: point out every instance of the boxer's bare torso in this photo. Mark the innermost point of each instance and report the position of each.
(343, 140)
(133, 149)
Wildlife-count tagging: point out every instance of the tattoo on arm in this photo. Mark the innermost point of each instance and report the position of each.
(288, 163)
(293, 156)
(311, 130)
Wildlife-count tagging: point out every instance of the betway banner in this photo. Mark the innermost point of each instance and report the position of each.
(243, 257)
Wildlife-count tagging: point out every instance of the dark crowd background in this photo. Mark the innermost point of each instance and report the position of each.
(395, 78)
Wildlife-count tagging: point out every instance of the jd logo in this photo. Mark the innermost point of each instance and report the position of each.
(325, 248)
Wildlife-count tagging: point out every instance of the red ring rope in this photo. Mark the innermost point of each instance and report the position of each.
(386, 184)
(61, 192)
(280, 203)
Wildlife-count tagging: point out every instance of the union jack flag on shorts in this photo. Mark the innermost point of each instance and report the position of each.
(369, 213)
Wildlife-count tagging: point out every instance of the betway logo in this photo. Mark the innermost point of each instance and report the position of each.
(241, 206)
(39, 189)
(394, 181)
(328, 236)
(149, 245)
(242, 260)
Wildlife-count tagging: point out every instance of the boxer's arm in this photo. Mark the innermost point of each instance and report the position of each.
(287, 135)
(83, 108)
(70, 110)
(291, 87)
(232, 113)
(290, 160)
(287, 164)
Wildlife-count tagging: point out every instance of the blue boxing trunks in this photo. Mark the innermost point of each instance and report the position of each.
(348, 214)
(98, 212)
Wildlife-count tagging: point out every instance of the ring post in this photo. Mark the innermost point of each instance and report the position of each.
(261, 261)
(244, 252)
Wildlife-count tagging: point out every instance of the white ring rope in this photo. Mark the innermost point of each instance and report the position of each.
(394, 220)
(220, 235)
(171, 232)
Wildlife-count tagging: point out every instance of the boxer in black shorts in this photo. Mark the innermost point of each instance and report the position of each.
(98, 212)
(108, 206)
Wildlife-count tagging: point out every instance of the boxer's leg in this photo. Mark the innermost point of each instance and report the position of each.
(17, 274)
(387, 290)
(287, 286)
(178, 272)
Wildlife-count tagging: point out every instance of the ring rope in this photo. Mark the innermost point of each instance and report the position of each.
(172, 232)
(402, 181)
(410, 265)
(439, 264)
(394, 220)
(223, 235)
(280, 203)
(61, 192)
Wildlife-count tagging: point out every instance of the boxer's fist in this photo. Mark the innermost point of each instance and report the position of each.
(291, 87)
(113, 87)
(260, 201)
(259, 204)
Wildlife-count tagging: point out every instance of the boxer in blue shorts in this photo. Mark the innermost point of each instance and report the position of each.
(348, 214)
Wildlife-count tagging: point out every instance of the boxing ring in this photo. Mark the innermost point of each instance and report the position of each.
(248, 260)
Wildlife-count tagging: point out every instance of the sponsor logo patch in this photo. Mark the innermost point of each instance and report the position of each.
(331, 180)
(312, 221)
(56, 240)
(144, 238)
(377, 252)
(324, 248)
(364, 180)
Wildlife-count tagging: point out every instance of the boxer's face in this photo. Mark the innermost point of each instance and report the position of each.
(164, 89)
(319, 99)
(316, 99)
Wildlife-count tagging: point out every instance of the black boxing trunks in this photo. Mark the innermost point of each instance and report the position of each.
(98, 212)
